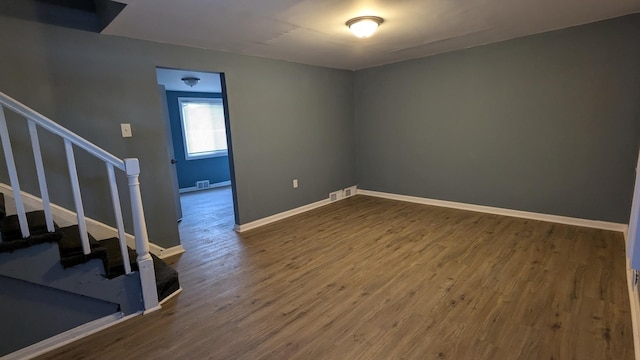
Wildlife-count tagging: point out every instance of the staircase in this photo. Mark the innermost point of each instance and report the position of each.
(46, 269)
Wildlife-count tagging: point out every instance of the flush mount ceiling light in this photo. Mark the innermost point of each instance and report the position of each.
(364, 26)
(190, 81)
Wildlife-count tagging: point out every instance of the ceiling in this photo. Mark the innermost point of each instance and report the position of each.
(314, 32)
(171, 79)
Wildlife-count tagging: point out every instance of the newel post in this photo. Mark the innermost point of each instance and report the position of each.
(145, 262)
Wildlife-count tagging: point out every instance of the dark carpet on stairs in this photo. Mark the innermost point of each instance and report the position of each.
(70, 247)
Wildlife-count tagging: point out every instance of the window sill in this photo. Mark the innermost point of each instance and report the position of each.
(207, 155)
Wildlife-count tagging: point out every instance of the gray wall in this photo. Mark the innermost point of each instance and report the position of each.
(548, 123)
(287, 120)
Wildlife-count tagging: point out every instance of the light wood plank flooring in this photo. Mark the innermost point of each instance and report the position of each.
(368, 278)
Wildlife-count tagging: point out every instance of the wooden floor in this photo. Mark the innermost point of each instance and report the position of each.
(367, 278)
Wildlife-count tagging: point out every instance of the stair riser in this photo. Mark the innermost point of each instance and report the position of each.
(40, 264)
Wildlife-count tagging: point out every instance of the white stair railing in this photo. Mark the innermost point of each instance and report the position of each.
(130, 167)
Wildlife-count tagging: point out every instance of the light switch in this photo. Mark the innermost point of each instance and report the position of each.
(126, 130)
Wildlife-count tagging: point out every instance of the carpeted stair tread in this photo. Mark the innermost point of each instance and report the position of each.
(12, 236)
(167, 281)
(10, 226)
(70, 247)
(114, 266)
(3, 209)
(16, 244)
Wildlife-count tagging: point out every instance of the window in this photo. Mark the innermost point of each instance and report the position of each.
(203, 127)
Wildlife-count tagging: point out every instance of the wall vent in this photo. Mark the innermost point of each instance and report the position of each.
(203, 184)
(336, 195)
(350, 191)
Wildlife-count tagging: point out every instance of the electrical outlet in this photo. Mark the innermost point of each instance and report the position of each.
(295, 183)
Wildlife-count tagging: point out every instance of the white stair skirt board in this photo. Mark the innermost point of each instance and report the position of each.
(211, 186)
(500, 211)
(65, 217)
(68, 337)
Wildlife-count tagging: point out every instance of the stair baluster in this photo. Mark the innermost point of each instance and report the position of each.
(117, 212)
(42, 180)
(77, 197)
(13, 175)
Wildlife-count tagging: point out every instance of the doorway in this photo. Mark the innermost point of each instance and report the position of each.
(199, 143)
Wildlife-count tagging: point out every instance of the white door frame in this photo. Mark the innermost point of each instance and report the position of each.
(633, 235)
(170, 151)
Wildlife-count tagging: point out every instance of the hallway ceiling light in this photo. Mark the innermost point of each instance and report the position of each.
(364, 26)
(190, 81)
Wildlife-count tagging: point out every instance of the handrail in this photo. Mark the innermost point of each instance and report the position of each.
(55, 128)
(130, 167)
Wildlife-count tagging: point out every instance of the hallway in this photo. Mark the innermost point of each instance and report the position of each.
(205, 213)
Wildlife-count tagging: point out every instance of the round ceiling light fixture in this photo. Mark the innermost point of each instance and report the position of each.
(364, 26)
(190, 81)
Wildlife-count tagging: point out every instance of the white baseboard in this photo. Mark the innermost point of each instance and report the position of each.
(65, 217)
(299, 210)
(68, 337)
(500, 211)
(174, 294)
(163, 253)
(280, 216)
(211, 186)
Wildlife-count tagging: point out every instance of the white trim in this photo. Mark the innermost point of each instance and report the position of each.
(634, 304)
(500, 211)
(149, 311)
(280, 216)
(174, 294)
(211, 186)
(68, 337)
(633, 238)
(67, 217)
(163, 253)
